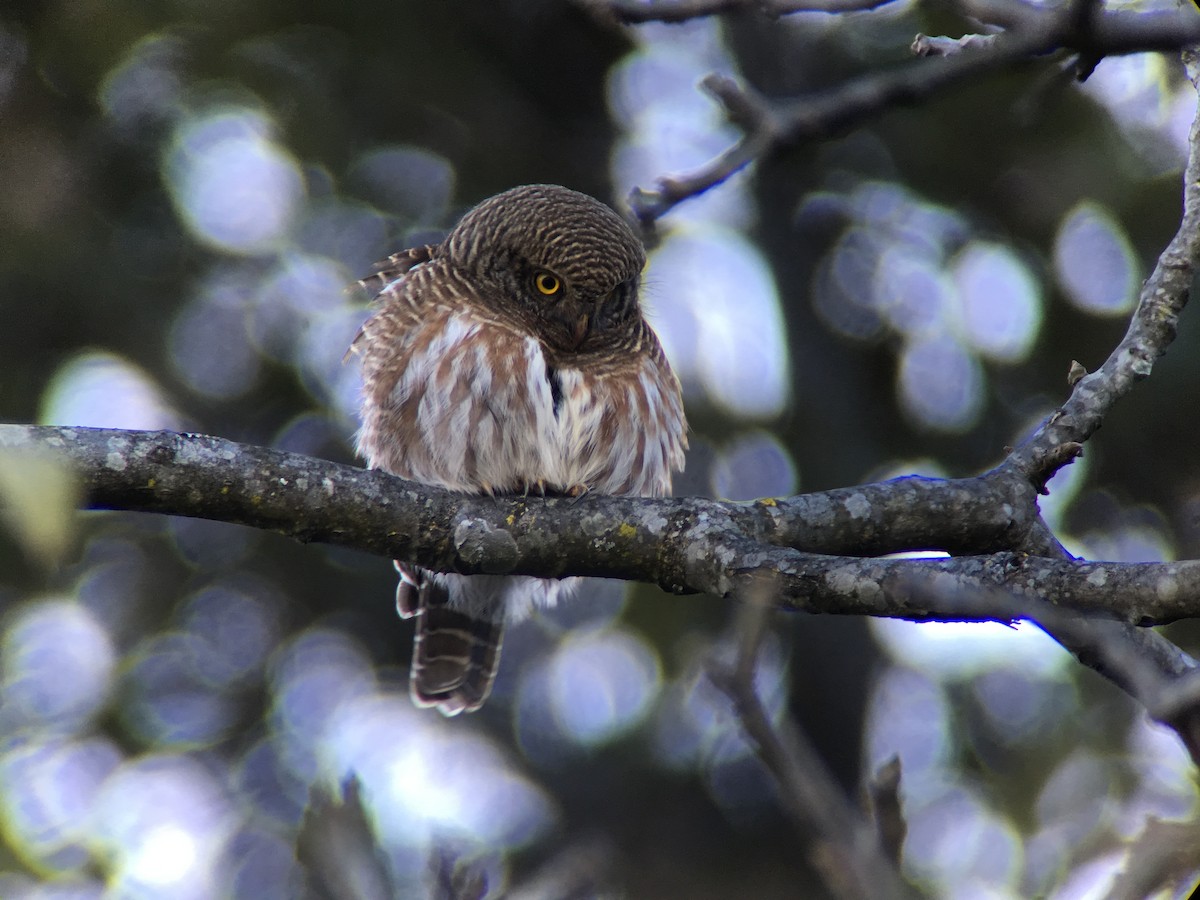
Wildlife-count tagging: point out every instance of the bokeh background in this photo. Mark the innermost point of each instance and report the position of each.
(186, 189)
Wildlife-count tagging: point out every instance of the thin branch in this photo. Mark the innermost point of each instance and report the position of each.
(1034, 31)
(882, 798)
(842, 846)
(1151, 330)
(637, 12)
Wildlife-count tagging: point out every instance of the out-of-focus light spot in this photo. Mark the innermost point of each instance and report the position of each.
(167, 701)
(354, 235)
(940, 384)
(96, 389)
(1093, 877)
(113, 585)
(167, 853)
(329, 376)
(47, 790)
(295, 291)
(212, 546)
(238, 631)
(602, 683)
(211, 352)
(912, 291)
(660, 75)
(597, 602)
(1166, 786)
(144, 87)
(58, 664)
(1129, 544)
(1078, 798)
(1000, 301)
(1020, 708)
(163, 821)
(311, 434)
(712, 299)
(410, 182)
(956, 650)
(39, 496)
(263, 866)
(1094, 261)
(314, 674)
(21, 887)
(279, 794)
(755, 465)
(955, 842)
(234, 187)
(424, 780)
(1137, 91)
(907, 716)
(842, 282)
(304, 284)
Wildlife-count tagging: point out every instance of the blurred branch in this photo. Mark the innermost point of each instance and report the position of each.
(1162, 861)
(882, 798)
(1032, 31)
(337, 847)
(843, 846)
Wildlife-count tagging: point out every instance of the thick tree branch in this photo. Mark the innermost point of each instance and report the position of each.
(683, 545)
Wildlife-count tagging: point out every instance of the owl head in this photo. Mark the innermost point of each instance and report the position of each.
(560, 260)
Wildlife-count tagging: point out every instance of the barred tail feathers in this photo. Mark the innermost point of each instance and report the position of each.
(455, 653)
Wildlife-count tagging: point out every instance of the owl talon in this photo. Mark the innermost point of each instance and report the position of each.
(577, 492)
(536, 487)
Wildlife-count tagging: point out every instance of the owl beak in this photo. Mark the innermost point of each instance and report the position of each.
(580, 332)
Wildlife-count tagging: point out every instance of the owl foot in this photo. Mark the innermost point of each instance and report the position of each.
(577, 492)
(538, 488)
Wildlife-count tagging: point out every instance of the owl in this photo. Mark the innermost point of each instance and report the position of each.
(513, 357)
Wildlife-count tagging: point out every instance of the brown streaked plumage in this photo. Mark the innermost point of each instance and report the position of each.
(512, 356)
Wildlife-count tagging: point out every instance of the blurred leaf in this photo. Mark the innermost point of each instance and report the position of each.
(38, 499)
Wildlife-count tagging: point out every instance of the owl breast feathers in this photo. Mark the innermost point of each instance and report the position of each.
(512, 357)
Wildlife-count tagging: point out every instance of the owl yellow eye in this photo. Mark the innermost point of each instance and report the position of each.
(548, 284)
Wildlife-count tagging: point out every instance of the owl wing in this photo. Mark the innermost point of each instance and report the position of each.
(457, 399)
(395, 266)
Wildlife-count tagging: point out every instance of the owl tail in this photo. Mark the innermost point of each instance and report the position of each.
(455, 655)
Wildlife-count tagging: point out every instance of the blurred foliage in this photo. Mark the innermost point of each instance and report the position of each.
(185, 187)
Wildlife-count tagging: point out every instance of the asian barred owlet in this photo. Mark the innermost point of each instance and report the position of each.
(512, 356)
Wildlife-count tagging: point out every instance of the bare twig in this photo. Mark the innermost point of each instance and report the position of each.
(1163, 858)
(883, 802)
(932, 45)
(636, 12)
(1033, 31)
(1151, 331)
(842, 846)
(337, 846)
